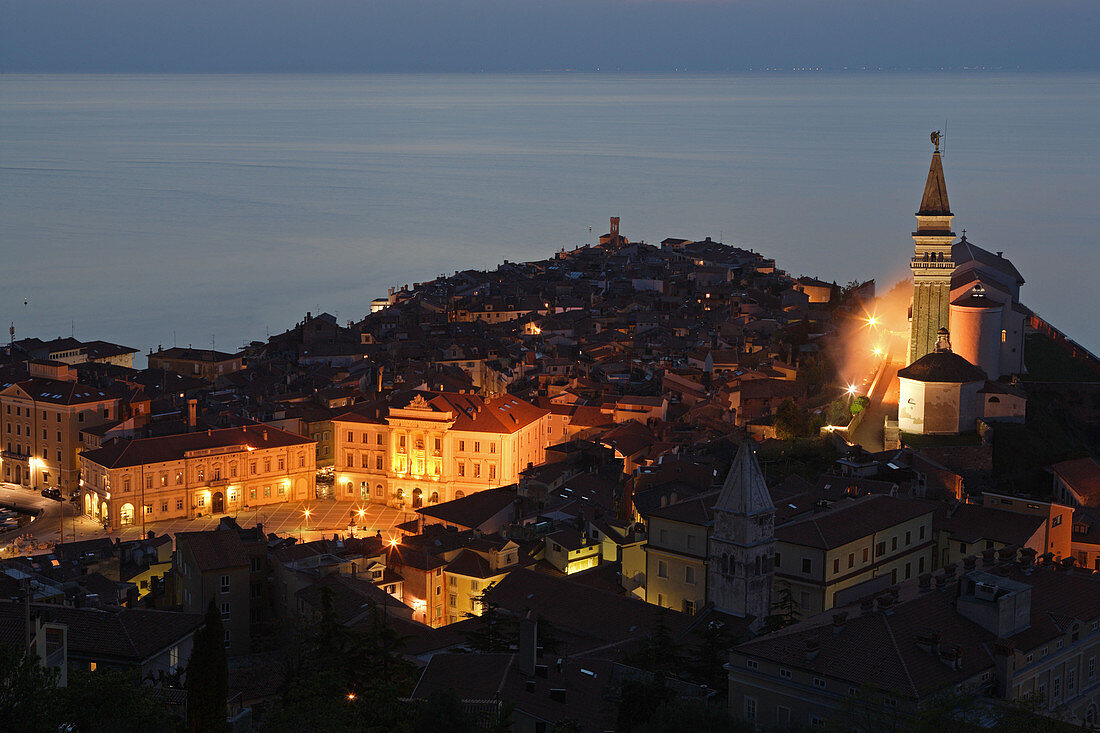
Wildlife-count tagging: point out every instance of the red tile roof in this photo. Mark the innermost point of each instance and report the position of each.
(123, 453)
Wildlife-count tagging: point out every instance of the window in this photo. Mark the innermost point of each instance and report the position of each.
(750, 708)
(836, 565)
(689, 607)
(1092, 668)
(164, 506)
(179, 504)
(785, 673)
(477, 470)
(282, 489)
(1057, 689)
(778, 556)
(225, 584)
(807, 565)
(880, 549)
(492, 471)
(452, 599)
(351, 437)
(819, 683)
(252, 468)
(908, 538)
(227, 637)
(148, 508)
(252, 493)
(893, 543)
(865, 554)
(179, 478)
(662, 569)
(1056, 521)
(851, 559)
(752, 664)
(202, 500)
(492, 447)
(267, 492)
(225, 610)
(477, 446)
(920, 533)
(267, 465)
(689, 575)
(282, 464)
(461, 468)
(462, 445)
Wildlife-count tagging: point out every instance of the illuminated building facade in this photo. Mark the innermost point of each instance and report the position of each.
(431, 447)
(40, 423)
(195, 474)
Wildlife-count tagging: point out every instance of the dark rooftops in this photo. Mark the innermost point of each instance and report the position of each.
(214, 550)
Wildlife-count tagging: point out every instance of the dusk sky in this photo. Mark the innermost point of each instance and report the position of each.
(525, 35)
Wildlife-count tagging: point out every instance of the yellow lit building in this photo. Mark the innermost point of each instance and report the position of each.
(40, 423)
(431, 447)
(195, 474)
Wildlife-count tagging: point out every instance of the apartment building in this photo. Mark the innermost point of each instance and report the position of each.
(40, 423)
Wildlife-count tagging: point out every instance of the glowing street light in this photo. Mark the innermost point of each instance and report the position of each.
(851, 390)
(877, 351)
(351, 697)
(872, 321)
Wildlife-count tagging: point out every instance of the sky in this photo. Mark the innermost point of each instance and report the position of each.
(136, 36)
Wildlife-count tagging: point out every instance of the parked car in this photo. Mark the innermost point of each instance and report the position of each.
(54, 494)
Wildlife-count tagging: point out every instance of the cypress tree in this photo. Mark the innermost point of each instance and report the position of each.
(208, 677)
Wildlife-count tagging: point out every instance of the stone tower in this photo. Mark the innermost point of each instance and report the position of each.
(931, 264)
(742, 542)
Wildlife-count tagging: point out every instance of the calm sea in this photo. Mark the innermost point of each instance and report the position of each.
(217, 209)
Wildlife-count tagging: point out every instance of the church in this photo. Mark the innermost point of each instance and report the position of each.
(966, 326)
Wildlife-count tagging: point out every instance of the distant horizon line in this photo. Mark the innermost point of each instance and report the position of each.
(598, 70)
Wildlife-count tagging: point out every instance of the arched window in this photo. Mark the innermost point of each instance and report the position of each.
(348, 487)
(434, 498)
(460, 494)
(126, 514)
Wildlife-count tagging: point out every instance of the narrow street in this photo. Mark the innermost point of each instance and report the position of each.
(884, 403)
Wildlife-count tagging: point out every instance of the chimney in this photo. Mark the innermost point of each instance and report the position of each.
(192, 413)
(941, 582)
(1008, 553)
(885, 604)
(924, 583)
(866, 606)
(1027, 560)
(528, 643)
(1047, 558)
(839, 620)
(969, 562)
(988, 557)
(929, 641)
(265, 436)
(813, 649)
(949, 571)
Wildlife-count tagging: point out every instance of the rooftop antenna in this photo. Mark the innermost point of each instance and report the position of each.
(944, 154)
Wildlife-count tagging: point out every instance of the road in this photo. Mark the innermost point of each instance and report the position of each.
(326, 517)
(884, 403)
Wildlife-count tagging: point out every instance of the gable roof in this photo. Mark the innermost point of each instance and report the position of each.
(214, 550)
(471, 511)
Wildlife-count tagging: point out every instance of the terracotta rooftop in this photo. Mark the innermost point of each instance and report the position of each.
(123, 453)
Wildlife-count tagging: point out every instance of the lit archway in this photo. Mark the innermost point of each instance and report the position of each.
(126, 515)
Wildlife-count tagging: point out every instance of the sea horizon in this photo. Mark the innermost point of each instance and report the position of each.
(197, 208)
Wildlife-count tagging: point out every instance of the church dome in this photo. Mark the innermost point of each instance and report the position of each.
(942, 366)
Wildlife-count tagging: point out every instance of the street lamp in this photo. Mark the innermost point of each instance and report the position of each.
(305, 514)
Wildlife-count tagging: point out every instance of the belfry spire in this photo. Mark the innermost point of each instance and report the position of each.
(934, 202)
(931, 264)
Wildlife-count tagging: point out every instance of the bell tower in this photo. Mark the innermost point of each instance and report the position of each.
(931, 264)
(742, 542)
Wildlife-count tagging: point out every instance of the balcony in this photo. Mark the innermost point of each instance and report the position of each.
(12, 455)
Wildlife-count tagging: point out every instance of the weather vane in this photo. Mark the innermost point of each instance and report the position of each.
(936, 135)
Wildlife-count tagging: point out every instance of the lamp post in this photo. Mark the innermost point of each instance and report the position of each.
(305, 521)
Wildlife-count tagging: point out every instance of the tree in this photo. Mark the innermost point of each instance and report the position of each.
(792, 421)
(658, 653)
(113, 700)
(711, 655)
(28, 691)
(208, 677)
(494, 631)
(785, 607)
